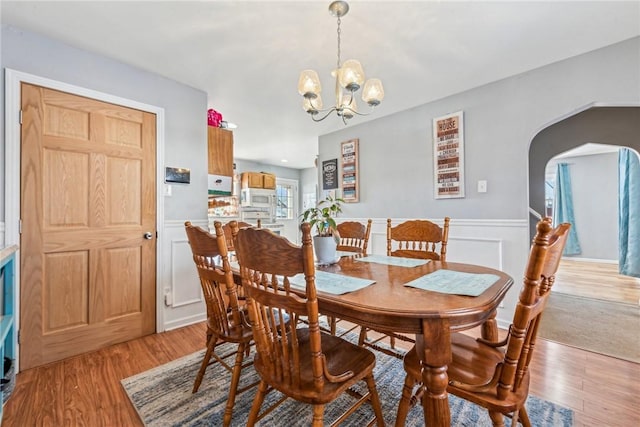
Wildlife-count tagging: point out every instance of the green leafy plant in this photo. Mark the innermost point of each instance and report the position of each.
(322, 216)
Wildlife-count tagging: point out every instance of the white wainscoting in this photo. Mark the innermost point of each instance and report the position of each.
(499, 244)
(184, 303)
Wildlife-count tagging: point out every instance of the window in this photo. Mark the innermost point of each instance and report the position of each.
(285, 202)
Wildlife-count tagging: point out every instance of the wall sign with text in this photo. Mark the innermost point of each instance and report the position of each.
(330, 174)
(448, 156)
(349, 156)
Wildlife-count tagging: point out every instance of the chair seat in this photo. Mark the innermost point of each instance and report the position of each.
(237, 335)
(341, 356)
(473, 364)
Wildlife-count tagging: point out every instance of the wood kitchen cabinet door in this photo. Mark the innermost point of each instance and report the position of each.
(251, 180)
(269, 181)
(220, 151)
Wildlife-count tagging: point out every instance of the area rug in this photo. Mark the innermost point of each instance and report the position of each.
(603, 327)
(162, 396)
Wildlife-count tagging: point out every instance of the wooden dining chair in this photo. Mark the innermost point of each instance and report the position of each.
(354, 237)
(299, 361)
(228, 235)
(418, 238)
(491, 374)
(226, 322)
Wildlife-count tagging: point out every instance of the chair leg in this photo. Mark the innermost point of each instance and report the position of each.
(392, 341)
(233, 389)
(257, 403)
(205, 362)
(318, 416)
(405, 400)
(363, 336)
(332, 325)
(375, 400)
(497, 419)
(524, 417)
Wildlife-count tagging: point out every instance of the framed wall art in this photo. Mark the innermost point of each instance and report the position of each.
(330, 174)
(349, 161)
(448, 156)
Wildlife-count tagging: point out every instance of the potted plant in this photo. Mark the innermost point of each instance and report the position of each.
(322, 219)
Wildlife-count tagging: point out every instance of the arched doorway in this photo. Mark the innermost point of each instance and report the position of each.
(586, 285)
(619, 126)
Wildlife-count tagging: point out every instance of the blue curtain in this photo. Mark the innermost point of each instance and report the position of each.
(563, 208)
(629, 212)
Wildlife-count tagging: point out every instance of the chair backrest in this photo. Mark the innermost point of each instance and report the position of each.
(418, 239)
(216, 279)
(267, 262)
(228, 235)
(354, 236)
(544, 258)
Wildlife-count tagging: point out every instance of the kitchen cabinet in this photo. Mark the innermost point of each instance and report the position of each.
(258, 180)
(220, 151)
(268, 181)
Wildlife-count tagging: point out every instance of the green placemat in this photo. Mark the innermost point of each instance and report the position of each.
(332, 283)
(454, 282)
(394, 260)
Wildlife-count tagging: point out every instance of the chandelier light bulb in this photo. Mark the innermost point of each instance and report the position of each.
(312, 105)
(351, 75)
(373, 92)
(309, 84)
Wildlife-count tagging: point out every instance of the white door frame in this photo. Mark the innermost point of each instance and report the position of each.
(13, 81)
(291, 223)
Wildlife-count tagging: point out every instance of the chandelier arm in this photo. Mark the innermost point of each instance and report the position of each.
(359, 113)
(329, 111)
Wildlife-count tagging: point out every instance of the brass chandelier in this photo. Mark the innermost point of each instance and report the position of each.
(349, 77)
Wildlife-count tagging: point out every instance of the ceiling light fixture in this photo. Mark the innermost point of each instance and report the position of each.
(348, 76)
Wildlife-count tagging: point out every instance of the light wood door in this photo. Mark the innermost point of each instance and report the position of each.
(87, 199)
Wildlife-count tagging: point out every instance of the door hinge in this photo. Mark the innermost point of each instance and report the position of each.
(20, 227)
(20, 116)
(18, 336)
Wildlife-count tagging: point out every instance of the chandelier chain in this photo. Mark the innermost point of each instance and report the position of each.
(338, 31)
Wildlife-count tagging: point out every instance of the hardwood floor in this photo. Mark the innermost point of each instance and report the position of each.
(596, 280)
(86, 391)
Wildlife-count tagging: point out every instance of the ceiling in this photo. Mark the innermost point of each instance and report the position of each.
(247, 55)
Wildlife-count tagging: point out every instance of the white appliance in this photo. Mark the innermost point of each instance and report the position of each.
(265, 215)
(258, 198)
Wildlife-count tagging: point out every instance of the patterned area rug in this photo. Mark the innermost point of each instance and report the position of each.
(603, 327)
(162, 396)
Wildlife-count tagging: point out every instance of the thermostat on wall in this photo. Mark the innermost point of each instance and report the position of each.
(179, 175)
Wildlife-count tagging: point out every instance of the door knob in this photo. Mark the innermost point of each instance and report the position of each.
(148, 235)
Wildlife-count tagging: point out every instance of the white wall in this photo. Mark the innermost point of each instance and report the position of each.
(500, 120)
(594, 182)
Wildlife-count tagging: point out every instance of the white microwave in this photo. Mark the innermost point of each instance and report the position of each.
(257, 198)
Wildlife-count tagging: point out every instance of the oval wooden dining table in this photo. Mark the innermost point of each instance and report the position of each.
(388, 305)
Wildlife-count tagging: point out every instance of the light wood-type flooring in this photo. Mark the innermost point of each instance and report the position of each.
(86, 391)
(596, 280)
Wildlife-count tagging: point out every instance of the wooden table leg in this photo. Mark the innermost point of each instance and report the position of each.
(489, 328)
(434, 349)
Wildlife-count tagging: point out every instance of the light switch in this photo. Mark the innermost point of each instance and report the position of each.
(167, 190)
(482, 186)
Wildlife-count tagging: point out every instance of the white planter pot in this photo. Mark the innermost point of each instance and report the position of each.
(325, 248)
